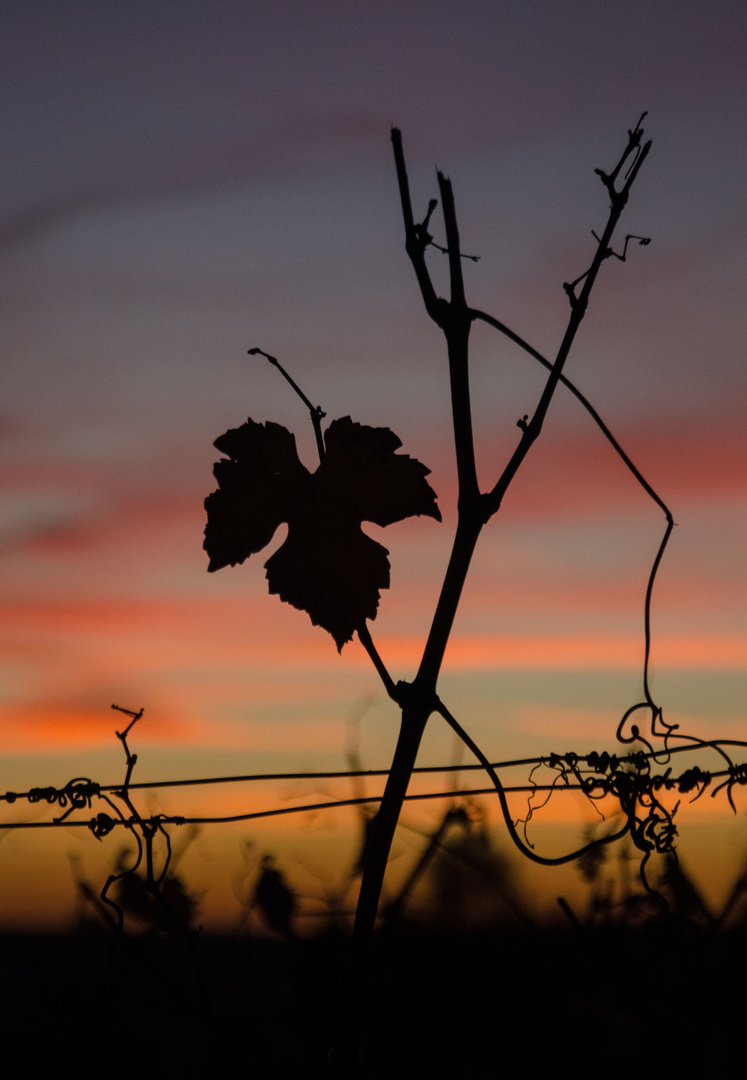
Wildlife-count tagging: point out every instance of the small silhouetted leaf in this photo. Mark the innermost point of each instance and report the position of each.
(327, 566)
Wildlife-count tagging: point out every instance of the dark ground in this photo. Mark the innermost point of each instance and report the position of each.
(667, 998)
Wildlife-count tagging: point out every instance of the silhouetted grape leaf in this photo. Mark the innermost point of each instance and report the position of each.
(327, 566)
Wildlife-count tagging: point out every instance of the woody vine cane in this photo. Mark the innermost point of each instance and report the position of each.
(331, 569)
(419, 699)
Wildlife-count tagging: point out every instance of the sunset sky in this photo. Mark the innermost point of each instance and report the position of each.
(182, 181)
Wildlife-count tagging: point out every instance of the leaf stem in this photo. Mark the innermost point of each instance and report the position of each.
(364, 636)
(315, 411)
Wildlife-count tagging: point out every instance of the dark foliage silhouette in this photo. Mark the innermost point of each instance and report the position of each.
(275, 899)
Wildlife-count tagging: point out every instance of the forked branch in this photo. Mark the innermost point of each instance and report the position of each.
(419, 699)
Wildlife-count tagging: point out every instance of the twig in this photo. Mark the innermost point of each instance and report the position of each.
(315, 411)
